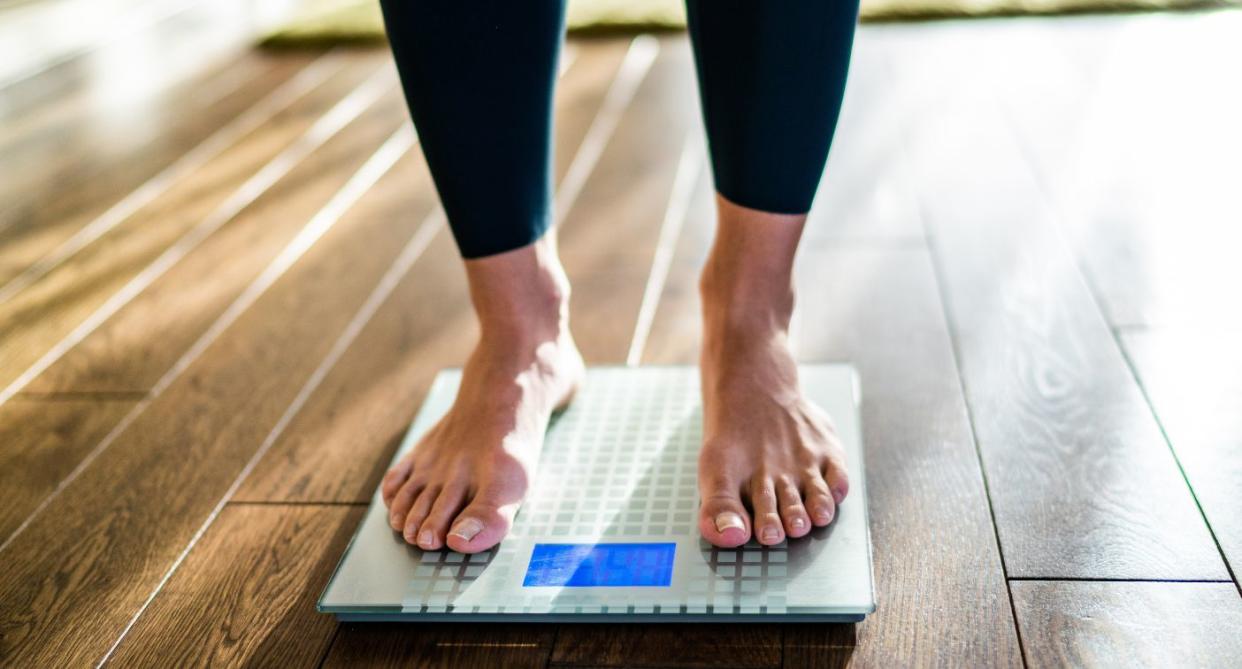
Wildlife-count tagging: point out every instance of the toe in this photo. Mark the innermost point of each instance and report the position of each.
(418, 512)
(399, 505)
(838, 480)
(819, 502)
(395, 478)
(481, 525)
(723, 520)
(793, 513)
(435, 525)
(768, 528)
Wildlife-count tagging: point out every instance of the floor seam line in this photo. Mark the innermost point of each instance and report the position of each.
(388, 283)
(348, 108)
(149, 191)
(1058, 215)
(358, 185)
(932, 250)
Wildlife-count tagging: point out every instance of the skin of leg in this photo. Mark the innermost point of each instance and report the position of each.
(771, 464)
(463, 482)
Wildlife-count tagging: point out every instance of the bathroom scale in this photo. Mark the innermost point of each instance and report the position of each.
(609, 528)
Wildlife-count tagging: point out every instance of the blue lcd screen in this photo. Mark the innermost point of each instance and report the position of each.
(601, 565)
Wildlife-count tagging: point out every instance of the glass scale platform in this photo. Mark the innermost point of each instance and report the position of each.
(609, 529)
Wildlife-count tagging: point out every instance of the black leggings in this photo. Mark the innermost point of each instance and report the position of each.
(479, 78)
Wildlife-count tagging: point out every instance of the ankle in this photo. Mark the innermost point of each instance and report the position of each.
(741, 303)
(521, 296)
(747, 282)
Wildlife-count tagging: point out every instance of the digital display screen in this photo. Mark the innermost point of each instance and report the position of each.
(601, 565)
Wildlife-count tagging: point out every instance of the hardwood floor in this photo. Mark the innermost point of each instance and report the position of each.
(225, 287)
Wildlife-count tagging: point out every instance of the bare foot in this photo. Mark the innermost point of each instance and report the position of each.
(463, 483)
(771, 464)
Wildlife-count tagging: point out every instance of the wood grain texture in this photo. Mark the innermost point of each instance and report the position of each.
(40, 316)
(1096, 624)
(1082, 484)
(616, 220)
(609, 239)
(1194, 382)
(933, 540)
(54, 207)
(339, 446)
(747, 646)
(121, 355)
(441, 645)
(821, 646)
(85, 565)
(41, 441)
(116, 84)
(49, 211)
(245, 596)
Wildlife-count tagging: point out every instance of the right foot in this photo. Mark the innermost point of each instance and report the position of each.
(463, 483)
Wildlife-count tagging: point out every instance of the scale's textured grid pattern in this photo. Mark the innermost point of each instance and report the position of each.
(619, 464)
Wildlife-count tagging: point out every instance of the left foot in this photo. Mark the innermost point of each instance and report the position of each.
(771, 464)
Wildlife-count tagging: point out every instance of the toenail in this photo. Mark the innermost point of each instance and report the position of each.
(823, 516)
(837, 496)
(729, 520)
(467, 528)
(798, 523)
(426, 539)
(771, 534)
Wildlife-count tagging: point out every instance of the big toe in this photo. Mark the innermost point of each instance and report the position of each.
(722, 518)
(480, 526)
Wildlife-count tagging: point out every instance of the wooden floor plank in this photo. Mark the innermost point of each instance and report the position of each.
(41, 441)
(190, 297)
(626, 199)
(337, 448)
(80, 168)
(84, 566)
(441, 645)
(1082, 484)
(934, 542)
(124, 112)
(121, 355)
(1101, 624)
(743, 646)
(245, 596)
(1193, 379)
(49, 310)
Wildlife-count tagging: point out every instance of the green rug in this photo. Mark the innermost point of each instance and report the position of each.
(318, 22)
